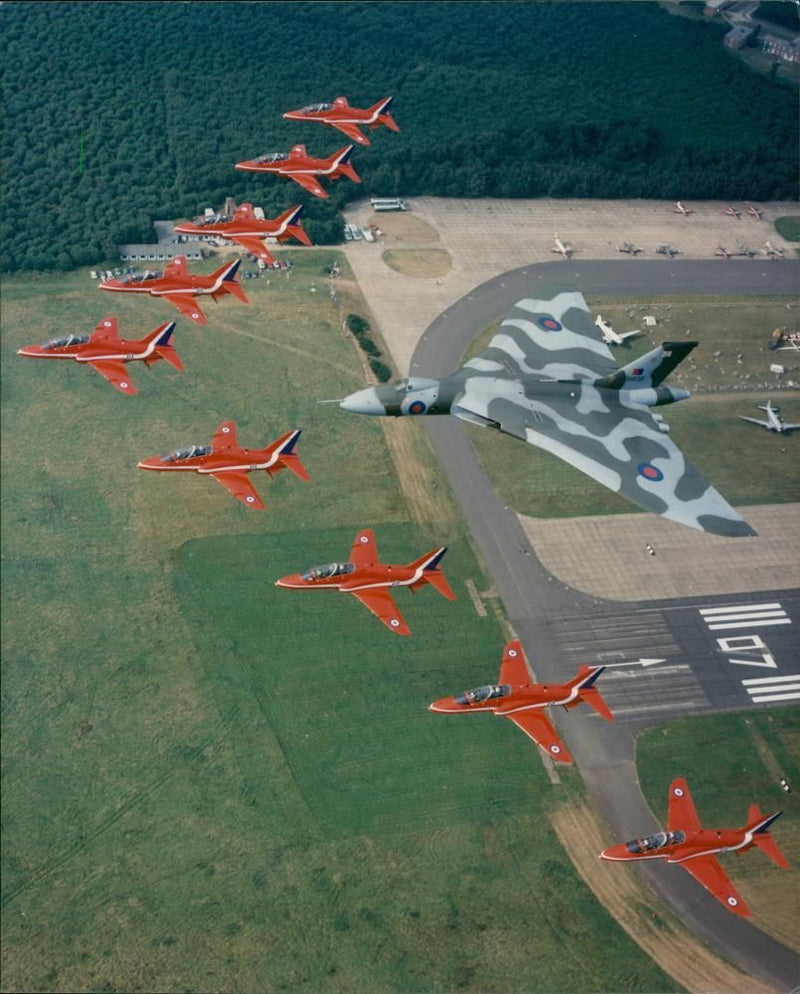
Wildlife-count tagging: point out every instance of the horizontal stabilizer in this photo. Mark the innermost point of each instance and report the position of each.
(763, 839)
(650, 370)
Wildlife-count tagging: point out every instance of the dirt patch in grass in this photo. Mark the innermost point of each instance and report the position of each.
(404, 228)
(638, 911)
(419, 262)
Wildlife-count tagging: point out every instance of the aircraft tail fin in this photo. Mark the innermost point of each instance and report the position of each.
(344, 166)
(651, 369)
(164, 349)
(229, 283)
(584, 683)
(431, 573)
(760, 824)
(288, 458)
(384, 117)
(294, 225)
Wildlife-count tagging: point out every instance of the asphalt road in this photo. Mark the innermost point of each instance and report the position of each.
(540, 606)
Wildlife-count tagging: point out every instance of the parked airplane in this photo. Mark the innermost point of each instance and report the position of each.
(249, 230)
(732, 212)
(769, 250)
(722, 251)
(611, 337)
(548, 379)
(754, 212)
(106, 352)
(680, 209)
(695, 849)
(225, 461)
(515, 697)
(563, 248)
(370, 581)
(341, 115)
(179, 287)
(629, 249)
(745, 250)
(302, 168)
(774, 421)
(668, 251)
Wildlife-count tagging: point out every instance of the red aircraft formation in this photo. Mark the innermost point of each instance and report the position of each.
(696, 848)
(515, 696)
(106, 352)
(370, 580)
(180, 288)
(249, 230)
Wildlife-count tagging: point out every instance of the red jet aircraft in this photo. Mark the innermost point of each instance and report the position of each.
(370, 581)
(106, 352)
(515, 697)
(341, 115)
(247, 230)
(694, 848)
(226, 462)
(302, 168)
(180, 288)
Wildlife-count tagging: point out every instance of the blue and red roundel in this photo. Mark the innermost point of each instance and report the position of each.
(416, 407)
(650, 472)
(548, 323)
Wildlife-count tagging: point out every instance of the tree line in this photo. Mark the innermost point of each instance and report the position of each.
(122, 113)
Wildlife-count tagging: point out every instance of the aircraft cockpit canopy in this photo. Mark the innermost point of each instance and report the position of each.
(271, 157)
(331, 569)
(657, 841)
(316, 108)
(481, 694)
(207, 219)
(61, 343)
(190, 452)
(148, 274)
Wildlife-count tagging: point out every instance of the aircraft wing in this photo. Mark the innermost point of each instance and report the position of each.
(225, 437)
(187, 305)
(240, 486)
(620, 446)
(106, 331)
(365, 549)
(550, 338)
(755, 421)
(254, 246)
(682, 816)
(513, 669)
(537, 726)
(707, 871)
(352, 132)
(308, 183)
(382, 605)
(114, 372)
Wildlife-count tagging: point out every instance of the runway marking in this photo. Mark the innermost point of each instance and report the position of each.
(744, 616)
(787, 685)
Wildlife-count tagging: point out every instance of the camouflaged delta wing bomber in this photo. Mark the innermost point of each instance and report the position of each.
(548, 378)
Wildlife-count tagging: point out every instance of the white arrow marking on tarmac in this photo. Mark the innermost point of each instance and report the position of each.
(635, 662)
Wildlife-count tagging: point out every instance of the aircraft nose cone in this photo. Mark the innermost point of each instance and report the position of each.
(148, 463)
(617, 852)
(363, 402)
(444, 704)
(30, 350)
(293, 580)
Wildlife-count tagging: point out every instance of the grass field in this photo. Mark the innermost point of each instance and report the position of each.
(760, 748)
(422, 263)
(746, 464)
(211, 783)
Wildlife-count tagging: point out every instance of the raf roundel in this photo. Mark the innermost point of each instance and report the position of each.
(678, 792)
(732, 902)
(512, 653)
(650, 472)
(555, 750)
(548, 323)
(417, 407)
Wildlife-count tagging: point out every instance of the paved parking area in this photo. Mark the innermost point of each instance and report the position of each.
(485, 238)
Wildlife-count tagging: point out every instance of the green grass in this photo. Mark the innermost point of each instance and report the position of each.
(211, 783)
(788, 227)
(744, 463)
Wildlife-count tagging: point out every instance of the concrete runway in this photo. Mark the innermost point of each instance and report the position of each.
(559, 626)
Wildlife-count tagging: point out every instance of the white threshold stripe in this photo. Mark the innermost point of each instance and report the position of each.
(745, 616)
(771, 679)
(763, 699)
(741, 607)
(753, 624)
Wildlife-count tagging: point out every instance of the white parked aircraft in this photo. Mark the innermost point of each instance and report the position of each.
(611, 337)
(774, 421)
(563, 248)
(680, 209)
(769, 249)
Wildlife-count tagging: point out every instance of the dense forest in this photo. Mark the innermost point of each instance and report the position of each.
(120, 113)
